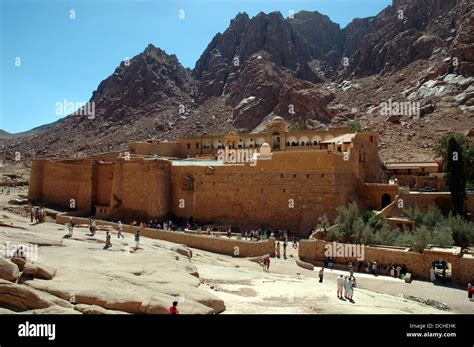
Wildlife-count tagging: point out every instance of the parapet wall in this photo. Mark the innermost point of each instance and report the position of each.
(221, 245)
(418, 264)
(163, 149)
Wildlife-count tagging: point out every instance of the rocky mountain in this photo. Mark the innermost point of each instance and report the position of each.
(304, 68)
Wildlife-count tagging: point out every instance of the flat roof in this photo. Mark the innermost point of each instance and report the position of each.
(341, 139)
(410, 165)
(186, 162)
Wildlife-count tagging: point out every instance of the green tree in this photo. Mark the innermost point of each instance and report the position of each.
(468, 149)
(354, 126)
(421, 238)
(462, 230)
(432, 217)
(323, 223)
(385, 236)
(455, 175)
(351, 227)
(442, 236)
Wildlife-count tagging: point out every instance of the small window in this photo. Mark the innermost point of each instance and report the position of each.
(189, 146)
(197, 145)
(307, 176)
(294, 176)
(284, 190)
(322, 176)
(282, 175)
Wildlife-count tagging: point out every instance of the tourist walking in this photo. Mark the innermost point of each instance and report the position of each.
(174, 308)
(321, 275)
(266, 263)
(470, 291)
(36, 213)
(137, 239)
(340, 284)
(120, 229)
(432, 273)
(295, 244)
(108, 242)
(92, 225)
(285, 243)
(71, 226)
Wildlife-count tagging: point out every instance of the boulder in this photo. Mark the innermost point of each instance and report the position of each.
(9, 271)
(20, 298)
(20, 262)
(408, 278)
(182, 249)
(45, 272)
(94, 309)
(304, 265)
(192, 270)
(30, 269)
(392, 119)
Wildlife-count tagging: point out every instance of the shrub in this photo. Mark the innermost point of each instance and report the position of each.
(421, 238)
(442, 236)
(462, 231)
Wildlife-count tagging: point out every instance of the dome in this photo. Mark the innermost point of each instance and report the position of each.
(277, 119)
(265, 150)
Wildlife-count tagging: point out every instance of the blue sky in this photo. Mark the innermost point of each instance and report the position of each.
(63, 58)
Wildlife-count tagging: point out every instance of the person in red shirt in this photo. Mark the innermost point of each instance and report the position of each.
(470, 291)
(174, 309)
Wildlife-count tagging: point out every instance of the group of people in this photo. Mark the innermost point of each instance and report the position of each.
(108, 239)
(37, 213)
(345, 285)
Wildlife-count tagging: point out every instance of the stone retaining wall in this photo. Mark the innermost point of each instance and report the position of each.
(417, 263)
(221, 245)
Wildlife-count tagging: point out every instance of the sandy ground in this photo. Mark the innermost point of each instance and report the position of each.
(243, 286)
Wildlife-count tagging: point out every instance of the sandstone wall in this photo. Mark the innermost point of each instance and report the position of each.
(140, 189)
(289, 190)
(59, 182)
(219, 245)
(372, 193)
(103, 183)
(417, 263)
(165, 149)
(424, 200)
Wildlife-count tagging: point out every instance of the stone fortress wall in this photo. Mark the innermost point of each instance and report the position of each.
(418, 264)
(301, 182)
